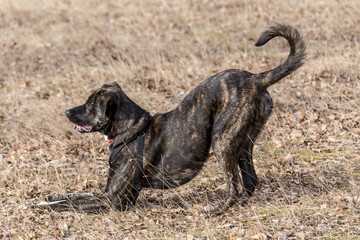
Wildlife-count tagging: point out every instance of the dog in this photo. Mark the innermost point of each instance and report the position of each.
(226, 112)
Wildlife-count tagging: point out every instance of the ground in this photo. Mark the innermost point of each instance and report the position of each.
(54, 53)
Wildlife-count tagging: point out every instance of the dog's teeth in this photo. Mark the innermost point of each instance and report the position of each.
(85, 128)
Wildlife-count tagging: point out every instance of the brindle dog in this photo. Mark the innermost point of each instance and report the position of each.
(225, 112)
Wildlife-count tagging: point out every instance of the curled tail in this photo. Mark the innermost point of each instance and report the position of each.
(295, 59)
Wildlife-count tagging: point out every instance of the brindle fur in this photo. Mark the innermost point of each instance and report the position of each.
(225, 112)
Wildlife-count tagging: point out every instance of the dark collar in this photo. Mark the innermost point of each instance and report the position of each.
(115, 149)
(139, 155)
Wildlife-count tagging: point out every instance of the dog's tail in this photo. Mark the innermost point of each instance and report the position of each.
(295, 59)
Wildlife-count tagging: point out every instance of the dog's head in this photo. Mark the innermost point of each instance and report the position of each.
(98, 111)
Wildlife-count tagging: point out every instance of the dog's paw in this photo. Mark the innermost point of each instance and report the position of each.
(214, 211)
(243, 199)
(52, 205)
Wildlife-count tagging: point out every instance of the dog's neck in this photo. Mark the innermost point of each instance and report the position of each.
(126, 128)
(137, 129)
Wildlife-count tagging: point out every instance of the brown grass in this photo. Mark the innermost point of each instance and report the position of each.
(54, 53)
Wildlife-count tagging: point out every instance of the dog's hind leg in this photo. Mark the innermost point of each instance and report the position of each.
(225, 141)
(229, 165)
(249, 178)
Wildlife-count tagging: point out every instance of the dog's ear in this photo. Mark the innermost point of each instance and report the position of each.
(114, 84)
(112, 103)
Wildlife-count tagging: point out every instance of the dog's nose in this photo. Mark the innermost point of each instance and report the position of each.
(67, 112)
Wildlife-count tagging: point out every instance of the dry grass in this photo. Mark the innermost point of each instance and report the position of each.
(53, 53)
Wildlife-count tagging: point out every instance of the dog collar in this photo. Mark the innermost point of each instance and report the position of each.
(139, 156)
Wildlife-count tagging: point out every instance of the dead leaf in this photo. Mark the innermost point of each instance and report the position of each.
(295, 133)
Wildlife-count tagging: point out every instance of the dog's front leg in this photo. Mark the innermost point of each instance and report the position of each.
(120, 188)
(119, 193)
(87, 202)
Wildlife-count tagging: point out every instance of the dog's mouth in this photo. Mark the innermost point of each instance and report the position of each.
(83, 129)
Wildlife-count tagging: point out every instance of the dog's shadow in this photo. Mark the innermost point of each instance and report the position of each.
(172, 199)
(290, 187)
(274, 187)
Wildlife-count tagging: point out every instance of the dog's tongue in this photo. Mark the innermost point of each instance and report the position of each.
(85, 128)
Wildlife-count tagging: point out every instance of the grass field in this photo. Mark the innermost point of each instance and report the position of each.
(54, 53)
